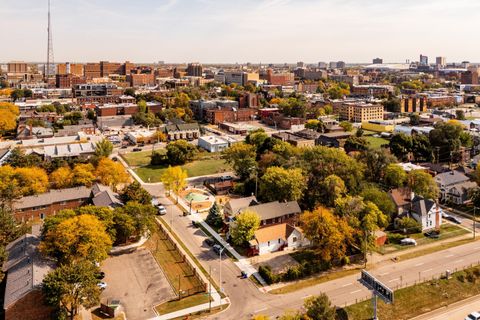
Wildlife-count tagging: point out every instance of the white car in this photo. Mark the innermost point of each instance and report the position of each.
(102, 285)
(473, 316)
(408, 241)
(161, 210)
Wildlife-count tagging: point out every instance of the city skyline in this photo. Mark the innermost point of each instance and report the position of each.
(210, 31)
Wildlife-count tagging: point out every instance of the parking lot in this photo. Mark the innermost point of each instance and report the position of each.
(137, 281)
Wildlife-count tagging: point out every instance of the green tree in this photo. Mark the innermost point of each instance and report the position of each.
(331, 189)
(408, 225)
(17, 94)
(401, 146)
(414, 119)
(328, 233)
(180, 152)
(142, 216)
(103, 148)
(214, 217)
(124, 226)
(142, 106)
(460, 115)
(282, 184)
(346, 125)
(243, 228)
(354, 143)
(70, 286)
(319, 308)
(422, 184)
(257, 138)
(241, 157)
(135, 192)
(376, 162)
(129, 92)
(380, 198)
(77, 238)
(445, 138)
(395, 176)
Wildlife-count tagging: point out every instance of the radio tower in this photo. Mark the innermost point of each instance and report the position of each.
(48, 71)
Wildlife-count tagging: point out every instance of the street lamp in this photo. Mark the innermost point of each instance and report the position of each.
(221, 251)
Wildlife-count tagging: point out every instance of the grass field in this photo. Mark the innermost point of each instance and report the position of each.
(138, 159)
(375, 142)
(172, 264)
(187, 302)
(421, 298)
(194, 169)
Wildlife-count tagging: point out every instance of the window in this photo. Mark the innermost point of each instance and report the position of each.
(268, 243)
(294, 239)
(279, 240)
(42, 216)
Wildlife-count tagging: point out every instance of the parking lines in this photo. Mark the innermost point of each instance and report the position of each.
(355, 291)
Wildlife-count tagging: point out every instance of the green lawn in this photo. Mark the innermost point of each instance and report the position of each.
(138, 159)
(375, 142)
(187, 302)
(194, 169)
(421, 298)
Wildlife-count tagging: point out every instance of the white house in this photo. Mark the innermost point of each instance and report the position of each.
(427, 213)
(454, 186)
(213, 143)
(278, 237)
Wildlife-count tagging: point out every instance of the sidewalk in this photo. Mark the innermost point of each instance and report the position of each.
(243, 263)
(188, 311)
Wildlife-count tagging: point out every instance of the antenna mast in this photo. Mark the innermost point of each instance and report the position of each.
(49, 67)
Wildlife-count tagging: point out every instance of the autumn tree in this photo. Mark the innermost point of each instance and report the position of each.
(72, 285)
(83, 174)
(174, 179)
(77, 238)
(244, 227)
(346, 125)
(331, 189)
(319, 308)
(31, 180)
(135, 192)
(61, 178)
(159, 136)
(376, 162)
(241, 157)
(9, 189)
(8, 117)
(103, 148)
(395, 176)
(282, 184)
(111, 173)
(329, 234)
(422, 184)
(141, 214)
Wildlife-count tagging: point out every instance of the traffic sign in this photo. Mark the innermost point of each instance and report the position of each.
(378, 288)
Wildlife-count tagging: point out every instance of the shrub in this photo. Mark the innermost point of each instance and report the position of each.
(293, 273)
(267, 274)
(345, 260)
(470, 276)
(461, 277)
(395, 237)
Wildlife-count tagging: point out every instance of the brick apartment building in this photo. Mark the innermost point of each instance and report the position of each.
(49, 203)
(97, 93)
(413, 104)
(75, 69)
(280, 79)
(358, 111)
(248, 100)
(282, 122)
(106, 68)
(141, 79)
(216, 116)
(68, 80)
(372, 90)
(116, 109)
(17, 67)
(469, 77)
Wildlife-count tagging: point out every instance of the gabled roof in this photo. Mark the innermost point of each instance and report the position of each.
(275, 209)
(451, 177)
(236, 205)
(53, 196)
(103, 196)
(422, 206)
(25, 268)
(274, 232)
(400, 196)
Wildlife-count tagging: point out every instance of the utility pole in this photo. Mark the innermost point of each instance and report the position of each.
(210, 290)
(221, 251)
(474, 220)
(365, 254)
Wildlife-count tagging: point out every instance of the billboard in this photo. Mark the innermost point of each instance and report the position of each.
(381, 290)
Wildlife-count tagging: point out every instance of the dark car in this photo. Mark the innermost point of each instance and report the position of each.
(432, 234)
(136, 149)
(115, 159)
(194, 224)
(454, 219)
(210, 242)
(100, 275)
(217, 248)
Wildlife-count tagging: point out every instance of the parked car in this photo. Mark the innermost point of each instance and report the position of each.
(432, 234)
(210, 242)
(454, 219)
(473, 316)
(226, 178)
(102, 285)
(115, 159)
(445, 215)
(100, 275)
(194, 224)
(217, 249)
(408, 242)
(161, 210)
(136, 149)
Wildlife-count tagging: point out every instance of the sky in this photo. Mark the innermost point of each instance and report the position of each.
(230, 31)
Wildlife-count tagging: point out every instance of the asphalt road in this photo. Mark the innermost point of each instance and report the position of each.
(456, 311)
(247, 300)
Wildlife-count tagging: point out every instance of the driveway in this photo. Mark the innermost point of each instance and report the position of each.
(279, 261)
(137, 281)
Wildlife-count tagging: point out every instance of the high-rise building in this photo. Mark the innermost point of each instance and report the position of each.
(469, 77)
(377, 61)
(441, 62)
(322, 65)
(70, 68)
(423, 60)
(92, 70)
(17, 67)
(194, 70)
(300, 64)
(341, 65)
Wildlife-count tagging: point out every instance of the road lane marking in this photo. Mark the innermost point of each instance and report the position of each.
(307, 296)
(394, 279)
(260, 310)
(355, 291)
(457, 261)
(346, 285)
(428, 270)
(419, 264)
(385, 273)
(450, 255)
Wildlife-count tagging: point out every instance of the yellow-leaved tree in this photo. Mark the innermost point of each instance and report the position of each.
(31, 180)
(83, 174)
(81, 237)
(174, 179)
(61, 178)
(111, 173)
